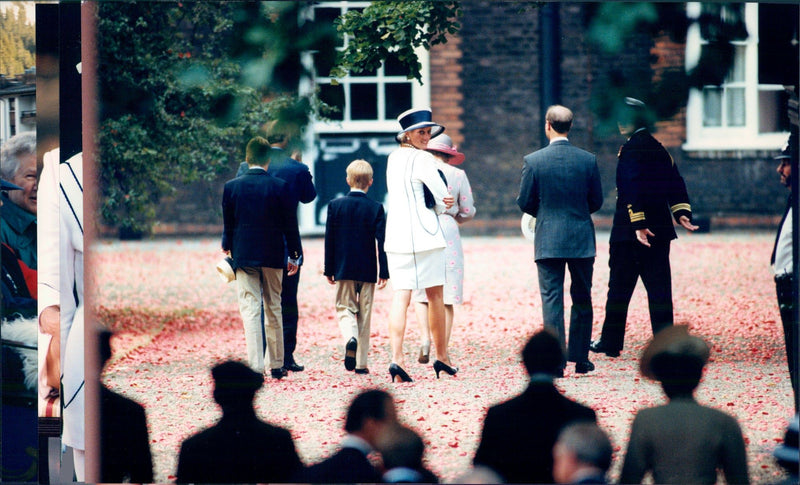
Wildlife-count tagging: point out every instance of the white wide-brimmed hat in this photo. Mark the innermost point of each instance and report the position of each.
(417, 118)
(443, 144)
(225, 270)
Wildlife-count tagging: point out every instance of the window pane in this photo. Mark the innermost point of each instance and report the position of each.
(712, 106)
(734, 105)
(398, 98)
(723, 21)
(363, 102)
(328, 15)
(334, 96)
(738, 68)
(773, 111)
(393, 67)
(372, 72)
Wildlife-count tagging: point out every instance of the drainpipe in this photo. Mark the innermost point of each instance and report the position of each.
(549, 56)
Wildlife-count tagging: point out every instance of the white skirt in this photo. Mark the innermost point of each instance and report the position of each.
(411, 271)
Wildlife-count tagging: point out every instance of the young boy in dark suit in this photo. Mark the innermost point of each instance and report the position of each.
(353, 226)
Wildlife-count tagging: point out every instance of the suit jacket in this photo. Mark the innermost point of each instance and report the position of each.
(684, 442)
(258, 215)
(411, 227)
(650, 190)
(240, 449)
(61, 282)
(348, 465)
(561, 188)
(124, 443)
(519, 434)
(355, 222)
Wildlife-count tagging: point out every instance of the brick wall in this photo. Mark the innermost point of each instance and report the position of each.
(445, 85)
(485, 89)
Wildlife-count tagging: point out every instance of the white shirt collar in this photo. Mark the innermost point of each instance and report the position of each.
(558, 138)
(353, 441)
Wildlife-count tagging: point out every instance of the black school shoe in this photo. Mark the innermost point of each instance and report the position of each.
(350, 354)
(279, 373)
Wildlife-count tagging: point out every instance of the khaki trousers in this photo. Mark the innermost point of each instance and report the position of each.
(252, 285)
(354, 312)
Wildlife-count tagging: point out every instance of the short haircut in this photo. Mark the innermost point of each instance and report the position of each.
(18, 146)
(235, 383)
(679, 374)
(543, 353)
(359, 174)
(401, 446)
(559, 117)
(276, 131)
(368, 404)
(589, 442)
(257, 151)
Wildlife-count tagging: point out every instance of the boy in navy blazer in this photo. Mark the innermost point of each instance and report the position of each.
(258, 217)
(353, 226)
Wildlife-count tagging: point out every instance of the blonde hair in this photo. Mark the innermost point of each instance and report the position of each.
(359, 174)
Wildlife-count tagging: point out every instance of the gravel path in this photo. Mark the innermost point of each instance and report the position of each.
(175, 319)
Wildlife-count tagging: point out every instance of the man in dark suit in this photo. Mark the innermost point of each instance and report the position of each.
(650, 193)
(260, 225)
(368, 416)
(519, 434)
(301, 189)
(561, 188)
(355, 224)
(240, 448)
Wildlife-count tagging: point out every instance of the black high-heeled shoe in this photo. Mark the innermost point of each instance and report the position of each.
(396, 370)
(439, 366)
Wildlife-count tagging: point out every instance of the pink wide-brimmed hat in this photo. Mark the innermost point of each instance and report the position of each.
(443, 144)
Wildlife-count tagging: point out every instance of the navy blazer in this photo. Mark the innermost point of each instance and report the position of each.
(519, 434)
(650, 190)
(258, 216)
(348, 465)
(561, 187)
(239, 449)
(354, 224)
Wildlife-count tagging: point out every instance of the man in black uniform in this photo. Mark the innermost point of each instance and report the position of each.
(650, 193)
(783, 268)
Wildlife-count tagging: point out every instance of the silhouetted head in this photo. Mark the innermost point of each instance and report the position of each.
(675, 359)
(581, 446)
(401, 446)
(369, 414)
(235, 384)
(104, 340)
(543, 353)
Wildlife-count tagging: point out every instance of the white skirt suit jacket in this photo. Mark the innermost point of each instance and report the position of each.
(412, 228)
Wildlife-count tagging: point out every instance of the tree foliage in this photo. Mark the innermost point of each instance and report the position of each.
(183, 86)
(394, 29)
(613, 26)
(17, 41)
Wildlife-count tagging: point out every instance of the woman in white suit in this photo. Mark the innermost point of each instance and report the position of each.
(414, 240)
(60, 287)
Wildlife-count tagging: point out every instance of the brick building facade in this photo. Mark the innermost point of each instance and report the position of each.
(484, 86)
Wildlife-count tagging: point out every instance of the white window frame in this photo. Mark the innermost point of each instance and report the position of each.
(420, 94)
(747, 137)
